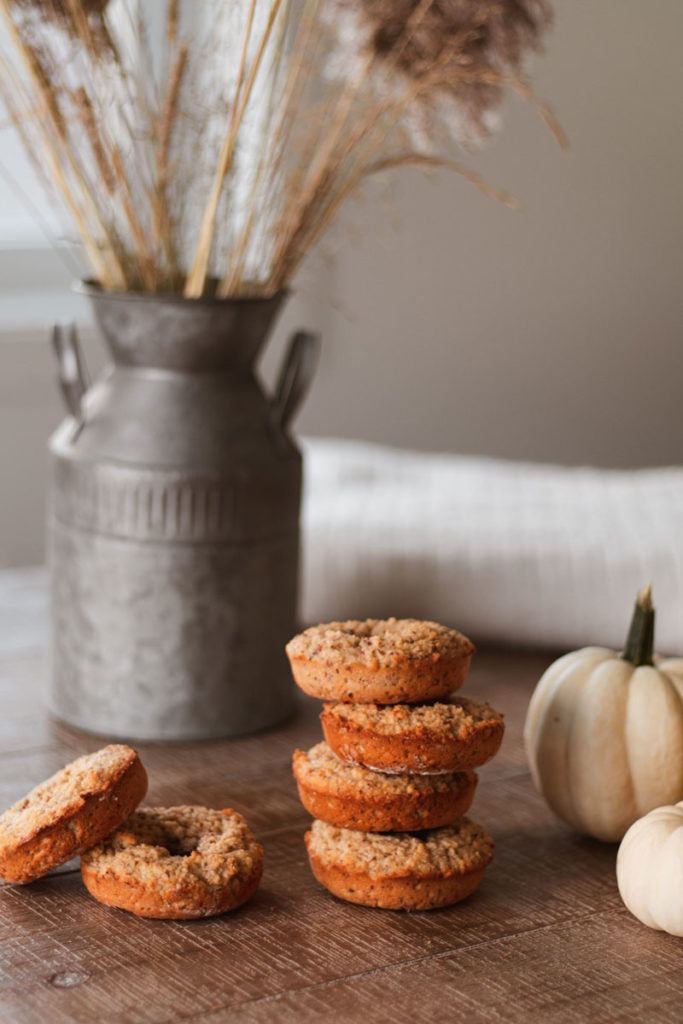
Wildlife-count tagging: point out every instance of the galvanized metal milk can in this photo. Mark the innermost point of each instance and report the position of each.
(174, 522)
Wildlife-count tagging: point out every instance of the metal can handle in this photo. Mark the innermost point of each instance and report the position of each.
(296, 375)
(72, 374)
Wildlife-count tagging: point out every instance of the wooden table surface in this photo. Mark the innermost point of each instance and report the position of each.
(545, 939)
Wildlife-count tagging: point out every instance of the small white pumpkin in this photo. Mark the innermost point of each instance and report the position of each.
(650, 869)
(604, 732)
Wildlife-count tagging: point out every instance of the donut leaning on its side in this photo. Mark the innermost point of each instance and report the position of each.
(71, 811)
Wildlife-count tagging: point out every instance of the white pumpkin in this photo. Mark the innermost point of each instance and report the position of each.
(604, 732)
(650, 869)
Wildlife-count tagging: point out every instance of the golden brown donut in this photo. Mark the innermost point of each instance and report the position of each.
(400, 871)
(383, 661)
(176, 862)
(354, 797)
(72, 810)
(448, 736)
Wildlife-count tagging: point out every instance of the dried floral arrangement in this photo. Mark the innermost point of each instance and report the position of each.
(203, 148)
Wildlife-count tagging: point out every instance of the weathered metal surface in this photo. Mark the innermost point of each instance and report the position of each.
(174, 526)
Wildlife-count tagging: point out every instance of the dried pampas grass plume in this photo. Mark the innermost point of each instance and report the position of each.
(78, 18)
(466, 51)
(207, 152)
(62, 10)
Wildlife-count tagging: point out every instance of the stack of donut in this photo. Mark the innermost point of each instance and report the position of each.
(391, 784)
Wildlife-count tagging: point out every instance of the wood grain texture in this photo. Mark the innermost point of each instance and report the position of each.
(545, 939)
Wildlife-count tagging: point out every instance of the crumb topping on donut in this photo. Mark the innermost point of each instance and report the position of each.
(162, 846)
(381, 642)
(455, 717)
(320, 769)
(64, 793)
(455, 849)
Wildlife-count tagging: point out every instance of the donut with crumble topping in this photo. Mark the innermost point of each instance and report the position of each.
(354, 797)
(454, 735)
(383, 661)
(75, 808)
(400, 871)
(176, 862)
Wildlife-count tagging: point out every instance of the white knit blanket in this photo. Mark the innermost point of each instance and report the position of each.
(505, 551)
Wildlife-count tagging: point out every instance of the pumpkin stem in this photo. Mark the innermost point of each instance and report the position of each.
(640, 640)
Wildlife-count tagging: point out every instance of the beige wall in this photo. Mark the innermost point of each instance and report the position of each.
(552, 334)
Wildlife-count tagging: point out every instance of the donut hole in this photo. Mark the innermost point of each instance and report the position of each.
(179, 836)
(179, 846)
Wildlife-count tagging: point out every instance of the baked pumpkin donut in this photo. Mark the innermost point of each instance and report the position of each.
(176, 862)
(72, 810)
(354, 797)
(400, 871)
(382, 661)
(447, 736)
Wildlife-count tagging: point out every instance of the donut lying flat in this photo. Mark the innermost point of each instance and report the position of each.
(351, 796)
(72, 810)
(383, 661)
(448, 736)
(176, 862)
(402, 871)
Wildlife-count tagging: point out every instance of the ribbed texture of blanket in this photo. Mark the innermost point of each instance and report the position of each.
(504, 551)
